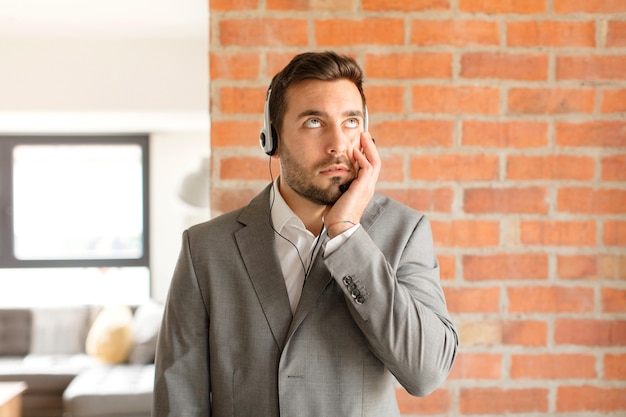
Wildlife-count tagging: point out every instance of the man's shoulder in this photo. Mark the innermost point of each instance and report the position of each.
(396, 207)
(235, 219)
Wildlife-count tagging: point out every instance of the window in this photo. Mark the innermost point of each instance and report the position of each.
(77, 202)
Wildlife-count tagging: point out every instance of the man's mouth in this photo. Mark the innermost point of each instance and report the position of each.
(335, 169)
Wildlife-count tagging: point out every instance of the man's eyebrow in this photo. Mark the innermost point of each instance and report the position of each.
(311, 112)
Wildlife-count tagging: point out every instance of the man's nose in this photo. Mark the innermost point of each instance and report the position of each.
(339, 140)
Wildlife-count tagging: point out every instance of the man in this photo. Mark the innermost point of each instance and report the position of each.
(320, 295)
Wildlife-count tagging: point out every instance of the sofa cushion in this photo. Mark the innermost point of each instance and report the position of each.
(120, 390)
(15, 331)
(145, 327)
(110, 337)
(59, 330)
(44, 373)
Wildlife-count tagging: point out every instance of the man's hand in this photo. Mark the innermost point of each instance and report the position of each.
(349, 208)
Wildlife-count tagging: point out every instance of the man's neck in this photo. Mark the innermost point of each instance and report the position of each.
(309, 213)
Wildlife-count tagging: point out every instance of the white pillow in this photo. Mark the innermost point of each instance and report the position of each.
(145, 327)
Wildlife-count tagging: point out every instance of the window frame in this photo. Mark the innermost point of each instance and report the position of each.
(7, 249)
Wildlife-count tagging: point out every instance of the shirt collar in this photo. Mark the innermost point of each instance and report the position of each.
(281, 213)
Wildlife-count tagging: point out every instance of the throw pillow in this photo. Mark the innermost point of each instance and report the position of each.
(110, 337)
(59, 330)
(145, 327)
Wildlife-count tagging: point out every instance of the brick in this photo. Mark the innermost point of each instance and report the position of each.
(589, 332)
(550, 167)
(466, 233)
(506, 66)
(590, 398)
(504, 267)
(235, 133)
(311, 5)
(589, 6)
(473, 300)
(275, 62)
(616, 34)
(577, 267)
(614, 233)
(404, 6)
(550, 101)
(392, 169)
(225, 200)
(244, 168)
(438, 402)
(414, 133)
(455, 99)
(533, 33)
(550, 300)
(615, 366)
(611, 266)
(231, 5)
(263, 32)
(242, 100)
(447, 267)
(592, 267)
(454, 167)
(457, 32)
(596, 133)
(613, 101)
(498, 401)
(590, 67)
(613, 300)
(558, 233)
(503, 6)
(375, 31)
(584, 200)
(399, 66)
(473, 366)
(240, 66)
(385, 98)
(516, 135)
(506, 200)
(480, 333)
(528, 333)
(553, 366)
(435, 200)
(614, 168)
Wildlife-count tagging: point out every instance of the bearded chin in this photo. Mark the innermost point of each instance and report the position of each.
(322, 196)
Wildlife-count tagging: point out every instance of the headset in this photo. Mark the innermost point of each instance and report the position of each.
(269, 137)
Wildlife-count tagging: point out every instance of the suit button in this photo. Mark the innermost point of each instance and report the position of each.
(360, 299)
(355, 293)
(347, 280)
(352, 287)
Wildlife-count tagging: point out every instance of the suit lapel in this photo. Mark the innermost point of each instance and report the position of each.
(314, 286)
(256, 246)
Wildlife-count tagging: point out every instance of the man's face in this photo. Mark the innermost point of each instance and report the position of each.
(321, 128)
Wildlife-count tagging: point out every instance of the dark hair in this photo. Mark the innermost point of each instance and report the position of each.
(323, 66)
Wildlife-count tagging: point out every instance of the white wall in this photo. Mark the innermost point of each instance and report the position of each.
(109, 84)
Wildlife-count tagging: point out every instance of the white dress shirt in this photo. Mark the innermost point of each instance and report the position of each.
(296, 246)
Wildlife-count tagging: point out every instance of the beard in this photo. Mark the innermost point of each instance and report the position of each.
(299, 180)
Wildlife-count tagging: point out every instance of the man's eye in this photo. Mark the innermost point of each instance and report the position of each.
(312, 123)
(353, 122)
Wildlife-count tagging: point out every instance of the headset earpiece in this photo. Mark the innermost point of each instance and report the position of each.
(268, 137)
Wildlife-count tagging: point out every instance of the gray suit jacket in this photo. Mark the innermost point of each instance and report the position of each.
(371, 313)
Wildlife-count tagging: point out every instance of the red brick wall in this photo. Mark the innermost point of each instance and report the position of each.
(504, 121)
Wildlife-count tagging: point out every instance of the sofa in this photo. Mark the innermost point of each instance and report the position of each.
(81, 361)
